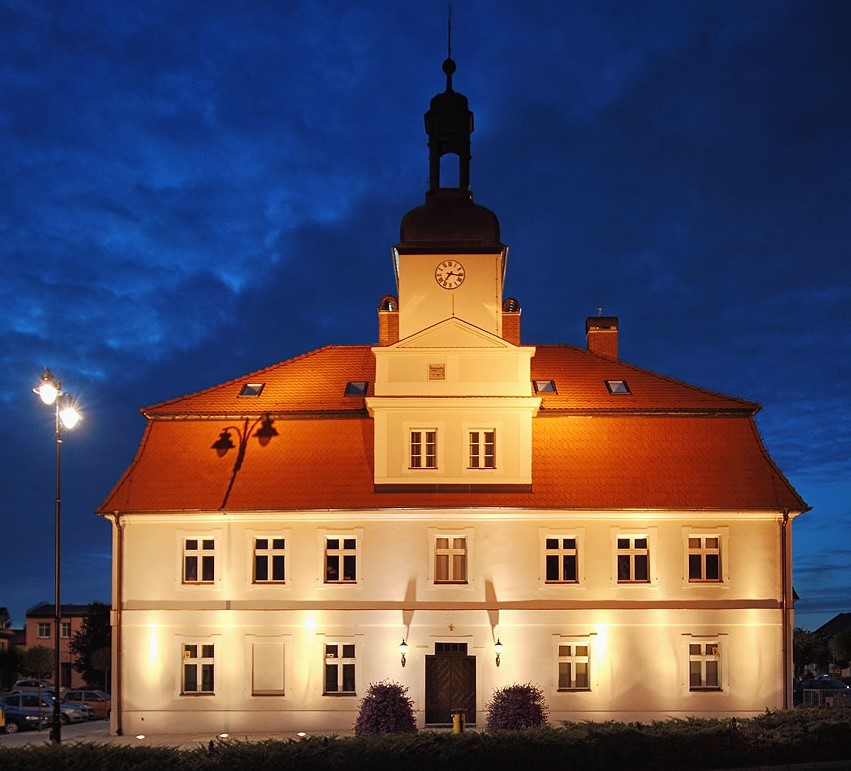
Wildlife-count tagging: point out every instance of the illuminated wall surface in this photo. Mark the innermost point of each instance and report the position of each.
(623, 536)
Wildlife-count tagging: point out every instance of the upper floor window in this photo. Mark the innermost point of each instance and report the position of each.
(704, 662)
(198, 668)
(450, 559)
(573, 664)
(704, 558)
(561, 559)
(423, 448)
(482, 445)
(43, 629)
(65, 629)
(199, 560)
(269, 560)
(633, 559)
(339, 668)
(340, 560)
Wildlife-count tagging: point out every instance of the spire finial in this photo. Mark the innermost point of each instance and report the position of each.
(449, 65)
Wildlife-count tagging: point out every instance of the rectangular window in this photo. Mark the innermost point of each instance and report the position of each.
(423, 448)
(269, 560)
(199, 560)
(339, 668)
(43, 629)
(450, 559)
(704, 661)
(704, 558)
(561, 559)
(267, 669)
(340, 560)
(482, 448)
(573, 661)
(198, 668)
(65, 629)
(633, 559)
(545, 386)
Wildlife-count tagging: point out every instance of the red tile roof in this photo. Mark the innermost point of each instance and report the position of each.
(668, 445)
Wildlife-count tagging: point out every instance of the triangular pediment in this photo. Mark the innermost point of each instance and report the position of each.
(453, 333)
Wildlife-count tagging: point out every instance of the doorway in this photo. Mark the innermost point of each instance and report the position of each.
(450, 684)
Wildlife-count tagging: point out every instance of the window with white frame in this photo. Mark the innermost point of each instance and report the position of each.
(65, 629)
(198, 668)
(561, 559)
(341, 557)
(199, 560)
(269, 560)
(43, 629)
(633, 559)
(704, 663)
(482, 448)
(450, 559)
(339, 668)
(573, 666)
(704, 558)
(423, 448)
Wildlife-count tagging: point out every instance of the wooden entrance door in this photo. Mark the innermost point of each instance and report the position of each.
(450, 684)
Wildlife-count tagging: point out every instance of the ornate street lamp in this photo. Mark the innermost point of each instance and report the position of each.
(50, 391)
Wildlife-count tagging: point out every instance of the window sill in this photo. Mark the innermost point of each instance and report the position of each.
(574, 690)
(708, 689)
(340, 693)
(197, 693)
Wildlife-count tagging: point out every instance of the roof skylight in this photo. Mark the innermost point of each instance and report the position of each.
(618, 387)
(545, 386)
(252, 389)
(356, 387)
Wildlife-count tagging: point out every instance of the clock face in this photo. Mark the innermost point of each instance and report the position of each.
(449, 274)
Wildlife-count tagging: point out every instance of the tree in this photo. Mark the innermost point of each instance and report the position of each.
(808, 648)
(10, 665)
(89, 640)
(840, 647)
(38, 661)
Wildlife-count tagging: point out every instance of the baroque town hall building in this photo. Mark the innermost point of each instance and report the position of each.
(511, 512)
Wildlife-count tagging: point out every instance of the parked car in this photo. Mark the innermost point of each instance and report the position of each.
(99, 702)
(15, 720)
(42, 705)
(32, 686)
(821, 683)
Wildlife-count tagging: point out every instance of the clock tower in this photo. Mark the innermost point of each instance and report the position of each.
(449, 261)
(452, 405)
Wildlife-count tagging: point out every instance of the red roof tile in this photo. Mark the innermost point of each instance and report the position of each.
(668, 445)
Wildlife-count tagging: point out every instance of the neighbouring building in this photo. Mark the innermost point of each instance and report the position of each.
(39, 629)
(511, 512)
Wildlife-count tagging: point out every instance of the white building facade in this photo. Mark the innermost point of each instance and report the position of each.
(511, 513)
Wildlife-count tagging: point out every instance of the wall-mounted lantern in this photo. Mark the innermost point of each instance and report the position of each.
(403, 650)
(498, 650)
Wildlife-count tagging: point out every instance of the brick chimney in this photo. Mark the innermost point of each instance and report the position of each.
(388, 320)
(601, 334)
(511, 321)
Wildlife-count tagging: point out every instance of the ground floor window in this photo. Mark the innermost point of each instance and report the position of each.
(573, 665)
(339, 668)
(704, 661)
(198, 668)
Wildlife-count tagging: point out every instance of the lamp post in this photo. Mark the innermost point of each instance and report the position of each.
(50, 391)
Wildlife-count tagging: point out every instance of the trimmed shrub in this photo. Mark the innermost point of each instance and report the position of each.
(385, 709)
(515, 707)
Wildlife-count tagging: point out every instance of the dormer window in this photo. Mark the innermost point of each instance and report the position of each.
(252, 389)
(618, 387)
(545, 386)
(356, 388)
